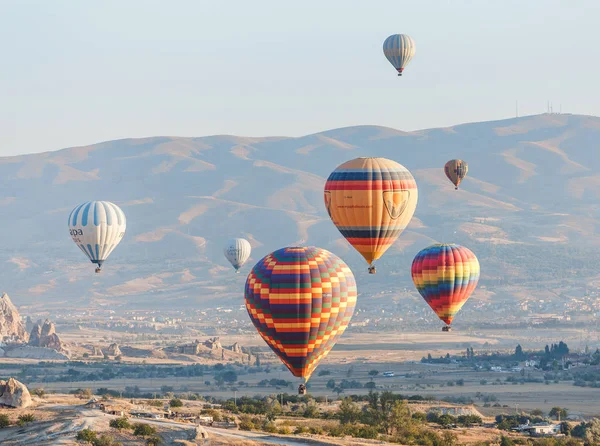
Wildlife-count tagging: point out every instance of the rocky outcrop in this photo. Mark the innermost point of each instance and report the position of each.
(44, 335)
(28, 324)
(213, 343)
(236, 348)
(199, 433)
(96, 351)
(14, 394)
(113, 350)
(11, 326)
(29, 352)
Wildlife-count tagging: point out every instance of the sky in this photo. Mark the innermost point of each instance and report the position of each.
(76, 73)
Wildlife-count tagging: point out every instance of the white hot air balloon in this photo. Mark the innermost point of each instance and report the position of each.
(97, 227)
(399, 50)
(237, 251)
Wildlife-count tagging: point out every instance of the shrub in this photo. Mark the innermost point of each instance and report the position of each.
(176, 402)
(143, 430)
(270, 427)
(105, 440)
(87, 435)
(284, 430)
(4, 421)
(154, 441)
(316, 430)
(300, 430)
(120, 423)
(246, 423)
(25, 418)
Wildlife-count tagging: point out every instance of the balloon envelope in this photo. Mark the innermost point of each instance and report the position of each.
(97, 227)
(445, 275)
(371, 201)
(456, 170)
(300, 299)
(237, 251)
(399, 49)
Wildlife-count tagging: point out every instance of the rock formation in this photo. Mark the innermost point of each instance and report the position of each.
(44, 335)
(28, 324)
(213, 343)
(198, 433)
(96, 351)
(113, 350)
(236, 348)
(11, 327)
(14, 394)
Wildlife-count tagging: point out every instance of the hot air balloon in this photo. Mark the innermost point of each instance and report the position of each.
(97, 227)
(399, 50)
(445, 275)
(300, 299)
(456, 170)
(237, 252)
(371, 201)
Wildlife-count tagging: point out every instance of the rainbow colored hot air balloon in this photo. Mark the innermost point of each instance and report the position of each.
(456, 170)
(371, 201)
(445, 275)
(300, 299)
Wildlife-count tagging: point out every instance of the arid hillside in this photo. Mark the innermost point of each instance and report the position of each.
(528, 209)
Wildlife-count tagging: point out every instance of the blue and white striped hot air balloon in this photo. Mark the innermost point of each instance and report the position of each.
(237, 251)
(399, 50)
(97, 227)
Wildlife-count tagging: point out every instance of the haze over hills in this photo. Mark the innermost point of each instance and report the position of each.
(528, 209)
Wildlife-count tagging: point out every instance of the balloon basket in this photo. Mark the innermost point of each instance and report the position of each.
(447, 328)
(372, 270)
(98, 270)
(301, 389)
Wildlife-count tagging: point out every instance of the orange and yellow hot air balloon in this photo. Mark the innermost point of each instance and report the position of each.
(456, 170)
(445, 275)
(371, 201)
(301, 299)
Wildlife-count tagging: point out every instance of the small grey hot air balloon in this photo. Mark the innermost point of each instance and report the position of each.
(399, 50)
(237, 251)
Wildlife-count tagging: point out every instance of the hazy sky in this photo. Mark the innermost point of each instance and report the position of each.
(80, 72)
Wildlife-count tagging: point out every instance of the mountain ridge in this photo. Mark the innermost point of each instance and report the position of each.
(529, 184)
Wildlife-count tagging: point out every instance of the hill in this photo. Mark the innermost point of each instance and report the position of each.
(528, 209)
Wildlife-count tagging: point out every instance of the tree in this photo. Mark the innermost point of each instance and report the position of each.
(331, 384)
(558, 413)
(143, 430)
(350, 371)
(324, 372)
(506, 441)
(338, 390)
(348, 412)
(373, 373)
(176, 402)
(519, 352)
(370, 385)
(592, 433)
(537, 412)
(120, 423)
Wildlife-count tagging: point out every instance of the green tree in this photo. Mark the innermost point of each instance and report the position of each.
(120, 423)
(350, 371)
(154, 441)
(592, 433)
(373, 373)
(348, 412)
(506, 441)
(558, 413)
(519, 355)
(143, 430)
(331, 384)
(176, 402)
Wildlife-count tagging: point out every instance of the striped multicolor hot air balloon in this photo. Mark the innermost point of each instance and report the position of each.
(399, 49)
(456, 170)
(300, 299)
(371, 201)
(445, 275)
(97, 227)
